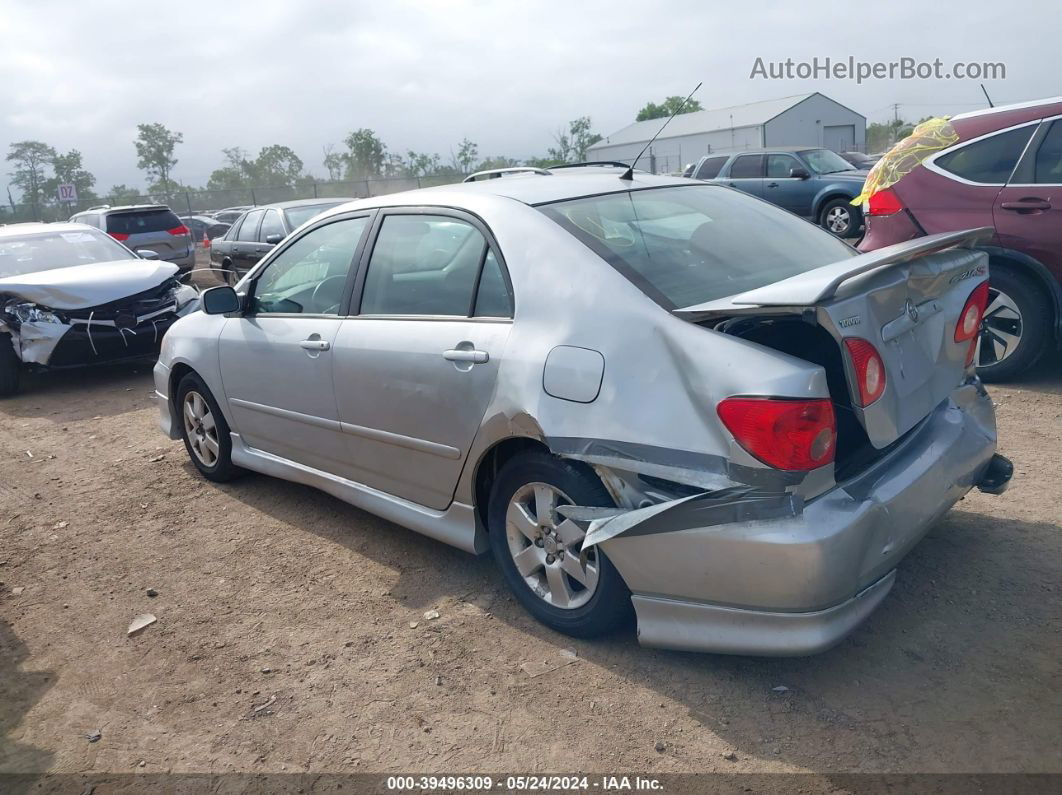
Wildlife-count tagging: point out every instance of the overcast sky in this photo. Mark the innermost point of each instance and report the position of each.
(424, 75)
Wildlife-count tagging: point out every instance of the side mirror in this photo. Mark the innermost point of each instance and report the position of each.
(219, 301)
(799, 173)
(273, 239)
(146, 253)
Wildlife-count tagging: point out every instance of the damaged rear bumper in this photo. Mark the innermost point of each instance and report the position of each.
(798, 584)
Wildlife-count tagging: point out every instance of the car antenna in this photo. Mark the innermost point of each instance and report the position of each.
(986, 95)
(629, 173)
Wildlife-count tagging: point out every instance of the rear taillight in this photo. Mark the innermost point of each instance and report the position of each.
(795, 435)
(121, 237)
(970, 320)
(178, 230)
(869, 369)
(884, 202)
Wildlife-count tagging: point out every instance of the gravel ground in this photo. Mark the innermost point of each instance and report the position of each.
(292, 636)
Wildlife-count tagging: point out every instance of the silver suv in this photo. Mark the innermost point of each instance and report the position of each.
(144, 226)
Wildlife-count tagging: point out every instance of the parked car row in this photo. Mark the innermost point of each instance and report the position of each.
(814, 183)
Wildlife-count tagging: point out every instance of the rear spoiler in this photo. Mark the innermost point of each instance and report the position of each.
(820, 284)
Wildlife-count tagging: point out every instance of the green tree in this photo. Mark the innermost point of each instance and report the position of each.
(234, 175)
(572, 145)
(154, 150)
(69, 170)
(365, 154)
(277, 165)
(666, 108)
(30, 159)
(467, 152)
(123, 194)
(333, 162)
(498, 161)
(421, 164)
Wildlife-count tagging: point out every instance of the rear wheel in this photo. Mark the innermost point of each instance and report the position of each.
(1015, 328)
(10, 367)
(840, 218)
(204, 430)
(539, 551)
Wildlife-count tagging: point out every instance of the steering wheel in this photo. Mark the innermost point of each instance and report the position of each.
(320, 286)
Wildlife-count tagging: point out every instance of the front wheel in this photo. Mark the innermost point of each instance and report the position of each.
(540, 552)
(840, 218)
(204, 430)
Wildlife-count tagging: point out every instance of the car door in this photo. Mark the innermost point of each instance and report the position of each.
(1028, 210)
(276, 359)
(795, 194)
(245, 246)
(415, 365)
(746, 173)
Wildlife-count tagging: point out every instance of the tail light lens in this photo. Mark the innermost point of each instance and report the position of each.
(884, 202)
(869, 369)
(121, 237)
(178, 230)
(794, 435)
(970, 320)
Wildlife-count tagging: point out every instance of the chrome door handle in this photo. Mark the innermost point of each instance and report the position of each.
(315, 345)
(476, 357)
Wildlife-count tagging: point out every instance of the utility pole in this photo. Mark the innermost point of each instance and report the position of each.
(895, 121)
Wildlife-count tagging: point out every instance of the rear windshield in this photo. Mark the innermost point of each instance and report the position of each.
(297, 216)
(45, 252)
(140, 221)
(687, 245)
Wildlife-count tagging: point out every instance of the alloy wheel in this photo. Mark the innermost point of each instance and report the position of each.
(546, 548)
(201, 429)
(838, 220)
(1001, 329)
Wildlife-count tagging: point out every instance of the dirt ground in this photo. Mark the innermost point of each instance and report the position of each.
(292, 636)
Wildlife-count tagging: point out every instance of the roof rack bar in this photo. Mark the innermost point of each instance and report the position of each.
(613, 163)
(494, 173)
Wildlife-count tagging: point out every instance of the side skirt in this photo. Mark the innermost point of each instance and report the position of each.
(455, 526)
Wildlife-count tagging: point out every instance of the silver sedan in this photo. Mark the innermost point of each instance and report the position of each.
(649, 397)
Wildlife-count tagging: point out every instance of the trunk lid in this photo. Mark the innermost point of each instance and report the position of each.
(904, 299)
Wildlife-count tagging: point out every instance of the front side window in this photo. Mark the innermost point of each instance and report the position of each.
(687, 245)
(779, 166)
(271, 225)
(989, 161)
(423, 265)
(747, 166)
(309, 276)
(249, 228)
(1049, 156)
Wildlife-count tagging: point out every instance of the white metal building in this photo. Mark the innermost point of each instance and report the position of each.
(803, 120)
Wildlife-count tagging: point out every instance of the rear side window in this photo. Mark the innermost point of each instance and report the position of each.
(989, 161)
(710, 168)
(687, 245)
(747, 166)
(493, 298)
(1049, 157)
(141, 221)
(423, 265)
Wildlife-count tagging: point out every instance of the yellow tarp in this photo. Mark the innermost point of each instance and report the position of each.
(927, 138)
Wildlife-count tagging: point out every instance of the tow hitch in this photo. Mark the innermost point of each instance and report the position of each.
(997, 475)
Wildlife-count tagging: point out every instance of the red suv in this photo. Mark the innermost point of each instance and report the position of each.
(1005, 171)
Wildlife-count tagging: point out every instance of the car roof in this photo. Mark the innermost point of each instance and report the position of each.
(33, 227)
(542, 188)
(302, 203)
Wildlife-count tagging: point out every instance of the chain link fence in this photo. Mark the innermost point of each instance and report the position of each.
(199, 202)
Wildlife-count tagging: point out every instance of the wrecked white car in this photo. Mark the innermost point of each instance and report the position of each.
(72, 296)
(638, 392)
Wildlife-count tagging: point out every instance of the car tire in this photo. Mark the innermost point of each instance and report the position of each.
(597, 603)
(204, 430)
(840, 218)
(1017, 308)
(10, 367)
